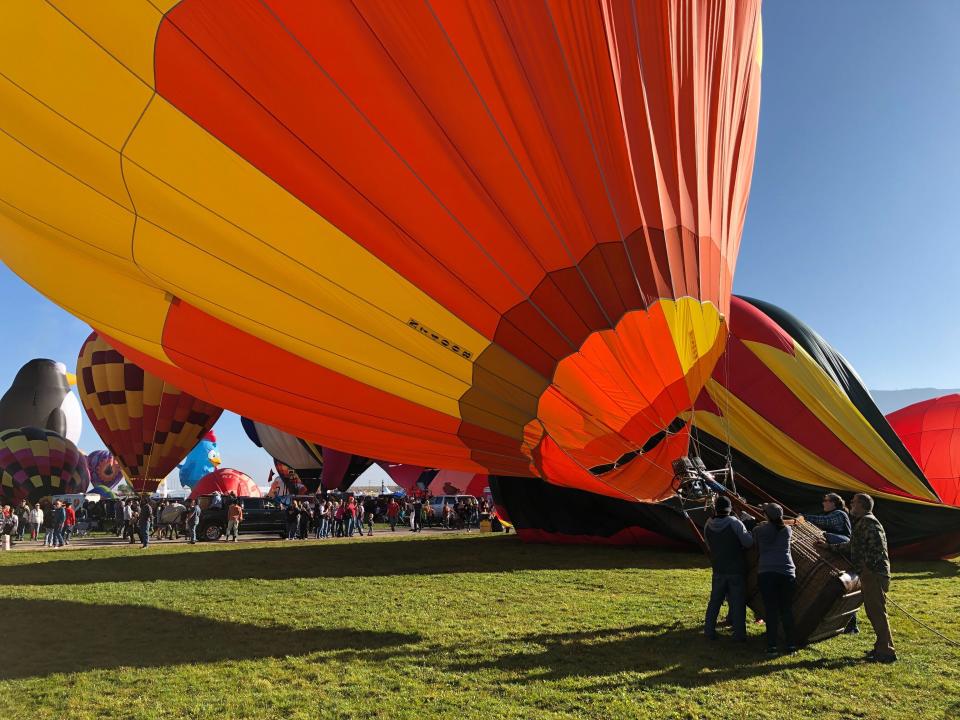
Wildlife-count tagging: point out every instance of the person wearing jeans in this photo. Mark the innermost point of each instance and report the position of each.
(193, 521)
(59, 519)
(726, 537)
(776, 576)
(234, 517)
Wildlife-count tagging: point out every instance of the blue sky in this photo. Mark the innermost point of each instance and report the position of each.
(850, 218)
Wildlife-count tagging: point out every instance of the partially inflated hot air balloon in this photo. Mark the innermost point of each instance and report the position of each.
(148, 424)
(35, 463)
(487, 236)
(225, 481)
(930, 430)
(792, 418)
(316, 467)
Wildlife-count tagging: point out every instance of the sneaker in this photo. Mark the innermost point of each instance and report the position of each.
(886, 659)
(791, 649)
(772, 651)
(851, 631)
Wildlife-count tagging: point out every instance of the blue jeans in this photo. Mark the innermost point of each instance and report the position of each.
(192, 533)
(291, 531)
(835, 539)
(324, 527)
(349, 530)
(733, 589)
(144, 533)
(58, 535)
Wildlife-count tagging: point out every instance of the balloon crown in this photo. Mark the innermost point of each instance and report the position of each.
(210, 437)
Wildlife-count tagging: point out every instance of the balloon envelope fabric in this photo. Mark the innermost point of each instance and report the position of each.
(931, 432)
(226, 480)
(148, 424)
(486, 236)
(104, 469)
(35, 462)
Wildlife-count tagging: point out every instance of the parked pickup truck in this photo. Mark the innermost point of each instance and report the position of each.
(260, 515)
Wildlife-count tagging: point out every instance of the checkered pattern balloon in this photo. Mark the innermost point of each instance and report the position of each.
(35, 463)
(148, 424)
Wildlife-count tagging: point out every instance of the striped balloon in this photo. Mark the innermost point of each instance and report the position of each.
(35, 463)
(148, 424)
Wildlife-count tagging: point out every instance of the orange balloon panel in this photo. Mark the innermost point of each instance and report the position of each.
(446, 234)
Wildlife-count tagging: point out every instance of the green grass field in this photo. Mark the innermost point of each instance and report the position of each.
(455, 626)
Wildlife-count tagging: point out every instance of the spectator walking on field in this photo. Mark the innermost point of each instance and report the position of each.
(393, 511)
(36, 521)
(144, 523)
(23, 516)
(192, 521)
(234, 518)
(59, 518)
(69, 523)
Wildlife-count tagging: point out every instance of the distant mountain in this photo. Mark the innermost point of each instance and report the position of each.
(890, 400)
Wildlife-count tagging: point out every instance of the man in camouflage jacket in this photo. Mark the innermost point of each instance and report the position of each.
(867, 550)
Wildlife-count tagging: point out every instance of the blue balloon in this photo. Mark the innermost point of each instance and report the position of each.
(202, 460)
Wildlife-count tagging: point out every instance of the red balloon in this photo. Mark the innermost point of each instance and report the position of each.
(931, 432)
(226, 480)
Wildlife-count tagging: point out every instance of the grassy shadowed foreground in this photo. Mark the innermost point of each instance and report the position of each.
(457, 626)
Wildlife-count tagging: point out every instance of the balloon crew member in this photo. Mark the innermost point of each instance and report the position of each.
(776, 576)
(727, 538)
(867, 551)
(835, 523)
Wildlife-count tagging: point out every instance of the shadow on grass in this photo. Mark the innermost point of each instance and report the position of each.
(355, 559)
(677, 656)
(77, 637)
(938, 569)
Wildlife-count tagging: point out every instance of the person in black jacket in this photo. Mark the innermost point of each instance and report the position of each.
(726, 538)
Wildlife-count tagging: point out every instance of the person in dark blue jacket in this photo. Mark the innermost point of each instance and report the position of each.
(726, 538)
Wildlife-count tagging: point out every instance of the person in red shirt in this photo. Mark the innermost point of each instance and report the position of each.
(393, 511)
(68, 525)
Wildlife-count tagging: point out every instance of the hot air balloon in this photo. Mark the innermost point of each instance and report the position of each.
(148, 424)
(315, 467)
(453, 482)
(40, 396)
(104, 469)
(792, 418)
(226, 480)
(930, 430)
(35, 463)
(201, 461)
(489, 237)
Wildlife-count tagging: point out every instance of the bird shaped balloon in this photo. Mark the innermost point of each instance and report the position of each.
(202, 460)
(40, 396)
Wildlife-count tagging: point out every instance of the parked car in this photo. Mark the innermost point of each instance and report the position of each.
(437, 502)
(260, 515)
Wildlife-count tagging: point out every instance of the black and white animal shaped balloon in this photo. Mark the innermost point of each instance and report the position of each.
(40, 396)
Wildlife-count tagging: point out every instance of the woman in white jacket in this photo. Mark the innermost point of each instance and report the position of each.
(36, 521)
